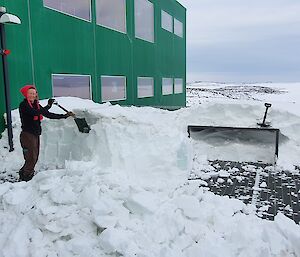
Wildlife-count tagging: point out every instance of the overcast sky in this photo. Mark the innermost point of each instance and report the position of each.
(243, 41)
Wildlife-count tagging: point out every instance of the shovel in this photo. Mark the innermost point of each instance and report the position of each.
(264, 124)
(81, 123)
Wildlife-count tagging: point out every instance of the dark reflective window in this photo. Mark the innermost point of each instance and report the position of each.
(71, 85)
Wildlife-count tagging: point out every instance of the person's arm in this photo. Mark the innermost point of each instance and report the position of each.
(47, 107)
(50, 103)
(51, 115)
(56, 116)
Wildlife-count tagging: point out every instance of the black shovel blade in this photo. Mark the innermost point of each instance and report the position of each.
(82, 125)
(264, 125)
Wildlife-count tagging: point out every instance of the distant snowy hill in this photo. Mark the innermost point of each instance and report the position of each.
(213, 90)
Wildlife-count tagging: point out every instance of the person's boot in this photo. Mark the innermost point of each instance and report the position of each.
(21, 175)
(24, 177)
(29, 177)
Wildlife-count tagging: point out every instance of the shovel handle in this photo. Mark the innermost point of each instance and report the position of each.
(56, 103)
(265, 116)
(61, 107)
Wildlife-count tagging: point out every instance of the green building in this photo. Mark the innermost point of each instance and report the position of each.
(127, 52)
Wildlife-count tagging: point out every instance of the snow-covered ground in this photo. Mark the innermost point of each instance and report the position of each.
(122, 189)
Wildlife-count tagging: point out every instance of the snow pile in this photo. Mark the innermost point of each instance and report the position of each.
(122, 189)
(66, 213)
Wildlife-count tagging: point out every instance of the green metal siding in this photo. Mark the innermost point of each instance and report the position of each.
(65, 47)
(171, 52)
(49, 42)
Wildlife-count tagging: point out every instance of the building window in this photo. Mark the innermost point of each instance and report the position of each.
(144, 20)
(71, 85)
(167, 86)
(145, 87)
(166, 21)
(113, 88)
(178, 28)
(77, 8)
(178, 86)
(112, 14)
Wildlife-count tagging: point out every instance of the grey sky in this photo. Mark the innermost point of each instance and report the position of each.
(250, 41)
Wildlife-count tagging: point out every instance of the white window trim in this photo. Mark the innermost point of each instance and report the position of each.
(125, 33)
(53, 9)
(101, 25)
(142, 77)
(73, 75)
(145, 40)
(112, 76)
(162, 85)
(171, 19)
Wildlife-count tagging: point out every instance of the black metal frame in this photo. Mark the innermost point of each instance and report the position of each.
(6, 87)
(195, 128)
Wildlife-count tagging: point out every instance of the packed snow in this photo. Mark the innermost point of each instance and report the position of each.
(123, 189)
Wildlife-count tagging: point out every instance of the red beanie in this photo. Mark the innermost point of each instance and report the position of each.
(25, 89)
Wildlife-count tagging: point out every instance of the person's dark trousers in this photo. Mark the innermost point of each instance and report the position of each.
(31, 147)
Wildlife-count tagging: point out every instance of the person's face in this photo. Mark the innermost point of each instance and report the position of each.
(31, 95)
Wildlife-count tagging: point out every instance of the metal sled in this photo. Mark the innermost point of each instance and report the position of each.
(263, 142)
(220, 136)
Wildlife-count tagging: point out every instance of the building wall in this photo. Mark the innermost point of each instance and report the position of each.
(49, 42)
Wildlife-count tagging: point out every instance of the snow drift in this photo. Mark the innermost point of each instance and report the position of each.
(122, 189)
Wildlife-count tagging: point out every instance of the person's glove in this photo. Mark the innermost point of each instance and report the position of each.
(68, 114)
(50, 102)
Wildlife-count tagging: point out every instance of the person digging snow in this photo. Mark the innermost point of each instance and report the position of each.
(31, 114)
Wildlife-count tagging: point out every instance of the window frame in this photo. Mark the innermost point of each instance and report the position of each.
(174, 21)
(181, 86)
(73, 75)
(104, 26)
(172, 25)
(153, 87)
(162, 86)
(125, 86)
(68, 14)
(137, 37)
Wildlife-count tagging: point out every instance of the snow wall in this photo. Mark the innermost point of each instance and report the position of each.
(136, 141)
(148, 142)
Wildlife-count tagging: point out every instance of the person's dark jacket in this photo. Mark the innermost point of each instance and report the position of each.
(28, 114)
